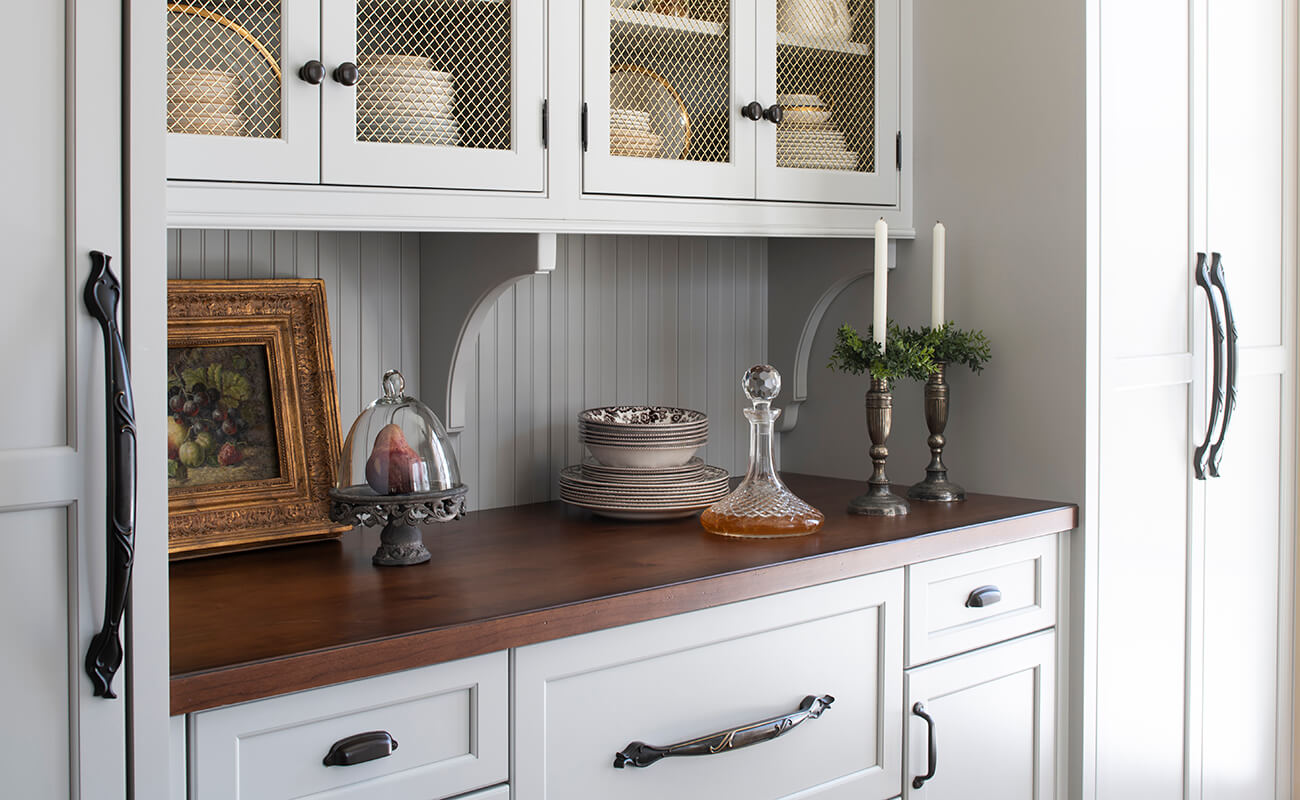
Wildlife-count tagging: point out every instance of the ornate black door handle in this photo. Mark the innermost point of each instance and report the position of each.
(1216, 278)
(640, 754)
(1216, 325)
(102, 296)
(932, 746)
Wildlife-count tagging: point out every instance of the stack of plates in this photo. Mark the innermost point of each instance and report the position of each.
(643, 464)
(643, 495)
(808, 137)
(630, 134)
(401, 99)
(203, 101)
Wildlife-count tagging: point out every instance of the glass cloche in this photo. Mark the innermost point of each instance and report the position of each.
(397, 446)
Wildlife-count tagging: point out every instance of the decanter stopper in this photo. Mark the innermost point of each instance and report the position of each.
(761, 507)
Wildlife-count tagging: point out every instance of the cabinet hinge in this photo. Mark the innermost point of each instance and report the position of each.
(584, 127)
(898, 151)
(546, 124)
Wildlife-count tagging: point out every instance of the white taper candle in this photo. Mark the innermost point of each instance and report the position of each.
(936, 281)
(879, 311)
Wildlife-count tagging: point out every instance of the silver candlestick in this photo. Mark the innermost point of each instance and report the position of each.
(936, 487)
(879, 501)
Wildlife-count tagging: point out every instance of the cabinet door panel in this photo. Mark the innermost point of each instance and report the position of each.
(1245, 179)
(667, 681)
(63, 198)
(1243, 526)
(237, 108)
(663, 93)
(994, 719)
(836, 77)
(449, 94)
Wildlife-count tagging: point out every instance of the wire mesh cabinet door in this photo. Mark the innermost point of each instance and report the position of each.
(833, 68)
(242, 102)
(664, 83)
(433, 93)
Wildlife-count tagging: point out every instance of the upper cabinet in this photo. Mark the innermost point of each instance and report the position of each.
(776, 117)
(424, 93)
(792, 100)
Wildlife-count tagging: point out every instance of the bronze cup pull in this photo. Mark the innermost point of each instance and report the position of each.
(640, 754)
(360, 748)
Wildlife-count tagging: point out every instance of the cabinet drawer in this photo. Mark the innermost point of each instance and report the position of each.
(941, 619)
(450, 722)
(673, 680)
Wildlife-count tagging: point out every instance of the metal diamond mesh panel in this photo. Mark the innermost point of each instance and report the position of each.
(223, 68)
(434, 73)
(670, 79)
(825, 83)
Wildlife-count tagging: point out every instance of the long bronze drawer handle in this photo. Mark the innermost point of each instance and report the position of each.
(640, 754)
(360, 748)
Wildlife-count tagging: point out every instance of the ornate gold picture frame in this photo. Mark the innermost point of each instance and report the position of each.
(253, 431)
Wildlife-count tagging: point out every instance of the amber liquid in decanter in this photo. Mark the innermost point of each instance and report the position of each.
(761, 506)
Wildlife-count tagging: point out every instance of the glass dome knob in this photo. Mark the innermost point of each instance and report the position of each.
(394, 385)
(761, 383)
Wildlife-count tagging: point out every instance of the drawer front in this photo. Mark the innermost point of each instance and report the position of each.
(450, 722)
(580, 701)
(943, 621)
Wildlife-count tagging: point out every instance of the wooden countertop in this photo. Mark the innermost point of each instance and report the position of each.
(257, 624)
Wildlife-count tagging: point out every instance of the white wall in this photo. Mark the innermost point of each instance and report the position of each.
(1000, 142)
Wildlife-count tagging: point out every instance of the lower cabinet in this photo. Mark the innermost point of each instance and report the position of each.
(981, 726)
(422, 734)
(584, 704)
(803, 695)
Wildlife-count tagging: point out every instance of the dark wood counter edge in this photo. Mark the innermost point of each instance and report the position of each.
(251, 681)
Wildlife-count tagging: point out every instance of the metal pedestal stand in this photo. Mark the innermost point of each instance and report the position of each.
(400, 543)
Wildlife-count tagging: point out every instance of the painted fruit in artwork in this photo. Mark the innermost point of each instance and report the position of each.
(191, 454)
(393, 465)
(229, 455)
(176, 436)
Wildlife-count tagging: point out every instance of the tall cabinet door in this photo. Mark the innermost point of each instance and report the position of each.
(1149, 386)
(238, 108)
(663, 86)
(833, 69)
(443, 93)
(62, 199)
(991, 726)
(1249, 506)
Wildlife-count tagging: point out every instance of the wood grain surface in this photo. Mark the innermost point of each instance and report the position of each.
(257, 624)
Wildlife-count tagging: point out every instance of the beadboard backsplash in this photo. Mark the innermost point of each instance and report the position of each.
(622, 320)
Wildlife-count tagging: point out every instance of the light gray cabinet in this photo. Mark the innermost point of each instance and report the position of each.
(677, 679)
(992, 717)
(64, 182)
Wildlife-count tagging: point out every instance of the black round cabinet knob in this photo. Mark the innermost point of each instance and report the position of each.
(752, 111)
(312, 72)
(347, 73)
(774, 114)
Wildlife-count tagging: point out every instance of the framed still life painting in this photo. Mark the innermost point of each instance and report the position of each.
(253, 425)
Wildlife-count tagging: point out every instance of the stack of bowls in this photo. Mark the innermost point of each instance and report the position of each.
(643, 464)
(402, 99)
(203, 101)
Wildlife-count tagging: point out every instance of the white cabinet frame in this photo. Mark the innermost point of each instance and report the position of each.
(881, 187)
(292, 158)
(603, 173)
(344, 160)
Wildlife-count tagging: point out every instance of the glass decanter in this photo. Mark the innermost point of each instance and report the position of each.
(761, 507)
